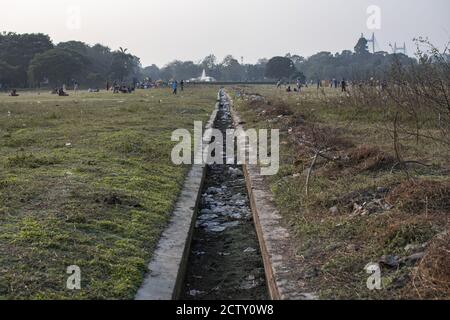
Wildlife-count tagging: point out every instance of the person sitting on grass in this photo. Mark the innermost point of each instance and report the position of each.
(124, 89)
(62, 93)
(13, 93)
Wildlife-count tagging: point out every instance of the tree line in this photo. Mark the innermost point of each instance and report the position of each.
(358, 64)
(31, 60)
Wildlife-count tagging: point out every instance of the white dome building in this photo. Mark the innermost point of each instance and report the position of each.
(203, 78)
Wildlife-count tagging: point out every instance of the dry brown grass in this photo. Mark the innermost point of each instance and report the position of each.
(417, 196)
(357, 168)
(369, 158)
(431, 278)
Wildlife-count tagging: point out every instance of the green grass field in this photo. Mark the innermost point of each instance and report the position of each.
(358, 208)
(87, 180)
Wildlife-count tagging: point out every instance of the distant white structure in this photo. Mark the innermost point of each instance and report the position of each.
(203, 78)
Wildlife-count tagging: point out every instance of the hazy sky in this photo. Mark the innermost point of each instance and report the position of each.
(159, 31)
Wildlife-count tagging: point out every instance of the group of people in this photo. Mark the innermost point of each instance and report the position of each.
(12, 92)
(298, 88)
(115, 87)
(299, 85)
(60, 91)
(333, 83)
(123, 88)
(118, 88)
(146, 84)
(175, 86)
(336, 84)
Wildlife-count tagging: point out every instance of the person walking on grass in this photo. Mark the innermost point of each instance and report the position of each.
(182, 85)
(175, 87)
(299, 85)
(279, 84)
(344, 85)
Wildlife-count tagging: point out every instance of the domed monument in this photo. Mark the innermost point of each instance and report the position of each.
(203, 78)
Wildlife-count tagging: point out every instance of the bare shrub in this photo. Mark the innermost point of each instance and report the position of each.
(421, 94)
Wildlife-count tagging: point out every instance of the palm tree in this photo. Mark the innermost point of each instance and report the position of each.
(122, 63)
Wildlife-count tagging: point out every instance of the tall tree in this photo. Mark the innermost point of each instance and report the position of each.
(361, 47)
(123, 64)
(57, 65)
(101, 60)
(257, 71)
(77, 46)
(209, 62)
(181, 70)
(295, 58)
(17, 50)
(152, 72)
(280, 67)
(8, 74)
(231, 69)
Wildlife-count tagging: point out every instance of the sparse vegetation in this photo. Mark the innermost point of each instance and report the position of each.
(358, 186)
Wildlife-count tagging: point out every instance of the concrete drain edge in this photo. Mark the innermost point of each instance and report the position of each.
(167, 268)
(280, 263)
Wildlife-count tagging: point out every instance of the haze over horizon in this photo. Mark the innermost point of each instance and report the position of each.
(161, 31)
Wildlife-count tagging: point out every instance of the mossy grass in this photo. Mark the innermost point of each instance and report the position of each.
(87, 180)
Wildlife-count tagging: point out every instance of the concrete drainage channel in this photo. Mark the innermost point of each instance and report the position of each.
(225, 261)
(226, 239)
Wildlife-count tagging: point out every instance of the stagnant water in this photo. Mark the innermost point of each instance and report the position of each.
(225, 261)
